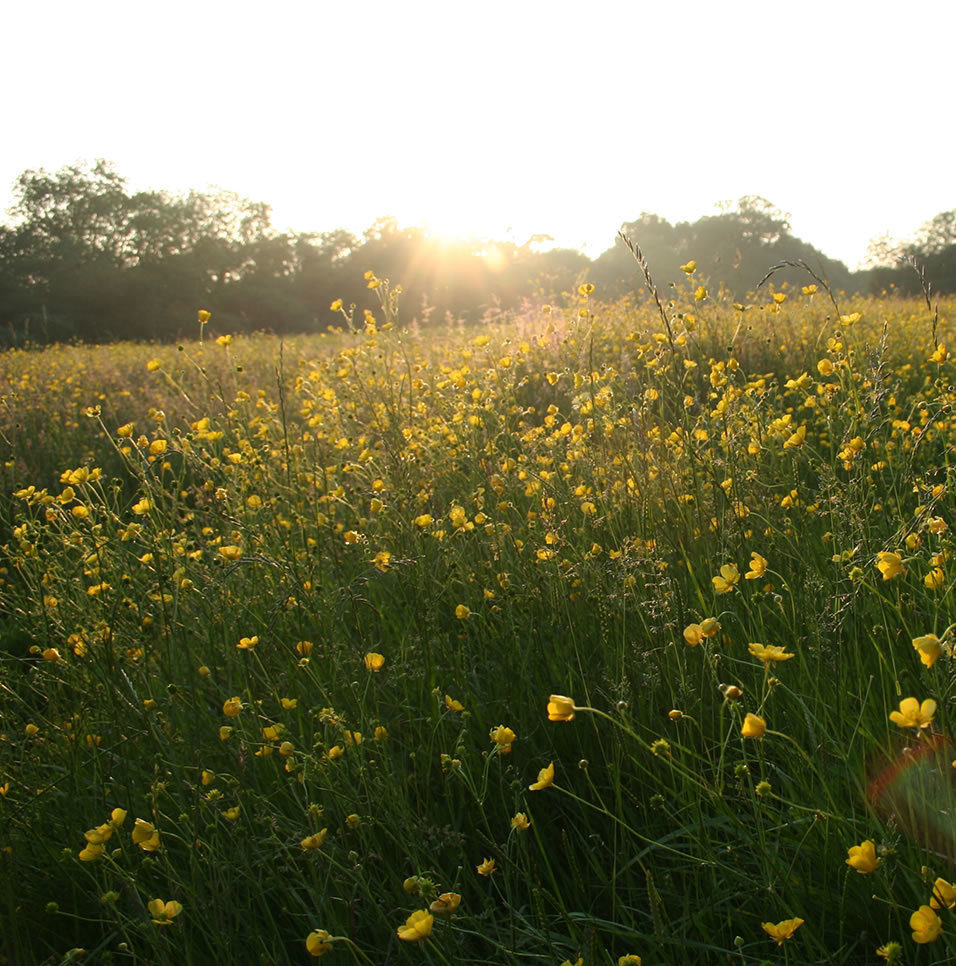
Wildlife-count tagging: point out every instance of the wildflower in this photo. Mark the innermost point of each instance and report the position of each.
(781, 931)
(230, 552)
(889, 564)
(225, 732)
(452, 704)
(203, 316)
(425, 520)
(940, 355)
(862, 857)
(247, 643)
(728, 577)
(231, 813)
(700, 294)
(164, 912)
(374, 661)
(519, 822)
(779, 297)
(891, 952)
(926, 925)
(693, 634)
(560, 708)
(117, 817)
(445, 904)
(318, 942)
(935, 579)
(944, 895)
(145, 835)
(312, 843)
(503, 738)
(545, 779)
(586, 289)
(224, 340)
(688, 268)
(417, 926)
(912, 714)
(486, 868)
(462, 612)
(929, 648)
(92, 851)
(769, 653)
(797, 439)
(288, 704)
(231, 707)
(758, 566)
(381, 733)
(629, 960)
(753, 727)
(336, 751)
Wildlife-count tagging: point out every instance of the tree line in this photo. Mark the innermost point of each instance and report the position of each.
(84, 258)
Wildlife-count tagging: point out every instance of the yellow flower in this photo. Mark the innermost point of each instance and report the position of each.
(926, 925)
(230, 552)
(797, 439)
(374, 661)
(560, 708)
(781, 931)
(935, 579)
(486, 868)
(545, 779)
(912, 714)
(336, 751)
(700, 294)
(862, 857)
(519, 822)
(462, 612)
(247, 643)
(779, 297)
(629, 960)
(231, 707)
(425, 520)
(891, 952)
(92, 851)
(503, 738)
(586, 289)
(889, 564)
(693, 634)
(145, 835)
(758, 566)
(117, 817)
(164, 912)
(312, 843)
(688, 268)
(445, 904)
(452, 704)
(417, 926)
(203, 316)
(224, 340)
(940, 355)
(753, 727)
(729, 575)
(944, 895)
(769, 653)
(318, 942)
(929, 648)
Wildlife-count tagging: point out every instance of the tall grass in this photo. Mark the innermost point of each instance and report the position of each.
(280, 622)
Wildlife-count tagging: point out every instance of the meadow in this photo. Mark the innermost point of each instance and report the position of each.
(596, 634)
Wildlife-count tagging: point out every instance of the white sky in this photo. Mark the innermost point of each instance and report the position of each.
(499, 119)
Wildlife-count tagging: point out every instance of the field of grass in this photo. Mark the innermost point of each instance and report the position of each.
(605, 634)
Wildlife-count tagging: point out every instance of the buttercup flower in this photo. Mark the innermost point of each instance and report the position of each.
(912, 714)
(313, 842)
(445, 904)
(629, 960)
(503, 738)
(374, 661)
(929, 648)
(545, 779)
(231, 707)
(318, 942)
(753, 727)
(944, 895)
(758, 566)
(729, 576)
(862, 857)
(560, 708)
(769, 653)
(145, 835)
(781, 931)
(452, 704)
(519, 822)
(926, 925)
(486, 868)
(164, 912)
(889, 564)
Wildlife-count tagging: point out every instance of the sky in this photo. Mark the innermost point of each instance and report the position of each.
(501, 119)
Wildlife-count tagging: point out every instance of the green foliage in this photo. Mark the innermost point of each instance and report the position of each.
(208, 550)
